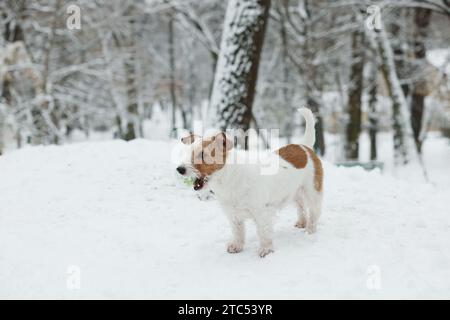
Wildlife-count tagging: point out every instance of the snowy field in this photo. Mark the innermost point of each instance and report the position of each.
(112, 215)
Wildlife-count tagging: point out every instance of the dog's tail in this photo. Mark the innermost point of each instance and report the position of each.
(309, 138)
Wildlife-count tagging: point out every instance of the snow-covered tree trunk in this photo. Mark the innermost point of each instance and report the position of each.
(399, 106)
(237, 67)
(399, 45)
(131, 127)
(46, 128)
(353, 127)
(132, 123)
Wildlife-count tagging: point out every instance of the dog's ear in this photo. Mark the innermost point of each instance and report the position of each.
(222, 142)
(190, 139)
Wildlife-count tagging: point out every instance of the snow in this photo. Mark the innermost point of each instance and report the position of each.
(116, 212)
(440, 58)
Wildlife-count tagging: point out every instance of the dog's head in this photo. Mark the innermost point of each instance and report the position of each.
(207, 156)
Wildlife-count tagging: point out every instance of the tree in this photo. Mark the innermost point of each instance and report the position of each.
(422, 19)
(283, 5)
(128, 58)
(172, 67)
(237, 67)
(372, 112)
(399, 105)
(301, 23)
(353, 126)
(312, 91)
(132, 123)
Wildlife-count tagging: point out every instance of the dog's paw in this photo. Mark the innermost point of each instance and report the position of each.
(311, 228)
(264, 251)
(235, 247)
(300, 224)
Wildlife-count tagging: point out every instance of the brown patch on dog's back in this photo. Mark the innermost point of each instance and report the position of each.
(318, 169)
(294, 154)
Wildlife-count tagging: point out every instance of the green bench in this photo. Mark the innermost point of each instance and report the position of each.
(369, 165)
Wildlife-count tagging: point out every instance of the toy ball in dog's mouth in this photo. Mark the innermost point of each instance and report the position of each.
(199, 183)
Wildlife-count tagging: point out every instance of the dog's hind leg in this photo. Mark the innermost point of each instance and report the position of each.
(236, 245)
(301, 210)
(314, 201)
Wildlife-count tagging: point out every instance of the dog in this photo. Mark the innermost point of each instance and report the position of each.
(244, 193)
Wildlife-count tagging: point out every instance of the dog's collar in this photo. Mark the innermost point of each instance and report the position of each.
(199, 183)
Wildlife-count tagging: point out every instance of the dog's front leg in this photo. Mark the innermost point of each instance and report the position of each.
(236, 245)
(264, 228)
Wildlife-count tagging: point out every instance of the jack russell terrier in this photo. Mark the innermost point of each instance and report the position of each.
(245, 193)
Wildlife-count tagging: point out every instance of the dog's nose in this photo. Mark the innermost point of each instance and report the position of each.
(181, 170)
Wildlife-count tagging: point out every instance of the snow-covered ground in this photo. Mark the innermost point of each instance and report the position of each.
(109, 220)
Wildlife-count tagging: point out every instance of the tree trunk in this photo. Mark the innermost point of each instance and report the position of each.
(399, 105)
(312, 93)
(132, 103)
(131, 128)
(422, 20)
(172, 66)
(288, 125)
(398, 44)
(313, 104)
(353, 126)
(237, 67)
(373, 119)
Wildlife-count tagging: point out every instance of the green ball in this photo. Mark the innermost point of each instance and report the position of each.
(189, 181)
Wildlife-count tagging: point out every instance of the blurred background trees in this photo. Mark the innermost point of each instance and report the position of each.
(147, 67)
